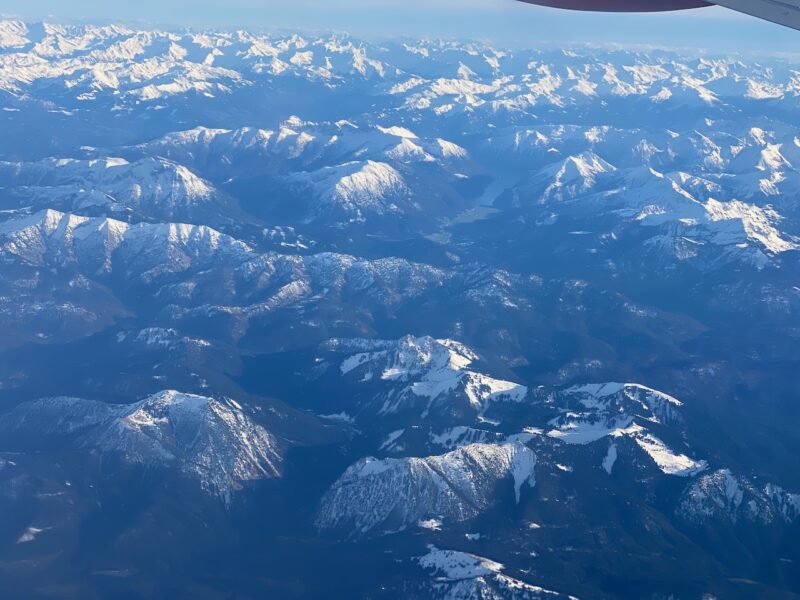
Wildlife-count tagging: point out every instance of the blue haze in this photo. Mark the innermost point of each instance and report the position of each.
(504, 22)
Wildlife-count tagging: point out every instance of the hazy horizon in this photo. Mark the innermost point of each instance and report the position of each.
(504, 22)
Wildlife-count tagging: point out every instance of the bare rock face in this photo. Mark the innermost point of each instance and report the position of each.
(722, 496)
(381, 496)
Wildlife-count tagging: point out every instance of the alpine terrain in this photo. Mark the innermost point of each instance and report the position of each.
(301, 316)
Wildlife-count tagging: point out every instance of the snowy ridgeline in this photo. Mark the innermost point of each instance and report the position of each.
(706, 191)
(425, 374)
(213, 63)
(432, 377)
(629, 422)
(463, 575)
(722, 496)
(218, 444)
(213, 442)
(737, 212)
(382, 496)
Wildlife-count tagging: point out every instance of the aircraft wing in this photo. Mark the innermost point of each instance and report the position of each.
(783, 12)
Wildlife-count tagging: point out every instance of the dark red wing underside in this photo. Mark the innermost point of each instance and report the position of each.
(621, 5)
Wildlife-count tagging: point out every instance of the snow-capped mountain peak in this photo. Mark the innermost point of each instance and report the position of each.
(97, 244)
(434, 374)
(156, 186)
(383, 496)
(595, 412)
(577, 175)
(214, 442)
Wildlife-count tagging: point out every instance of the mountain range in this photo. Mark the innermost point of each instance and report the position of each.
(300, 315)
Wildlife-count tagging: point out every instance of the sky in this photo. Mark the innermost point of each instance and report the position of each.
(504, 22)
